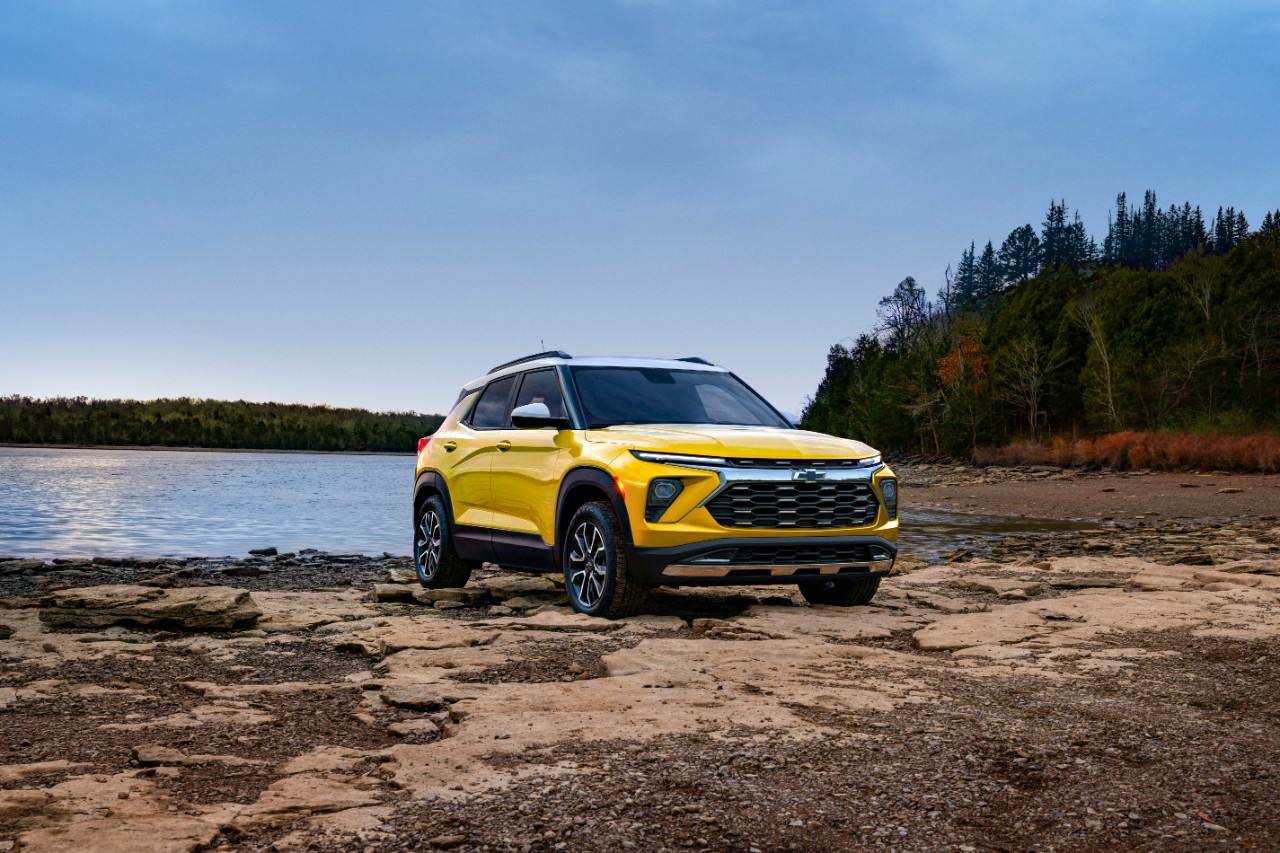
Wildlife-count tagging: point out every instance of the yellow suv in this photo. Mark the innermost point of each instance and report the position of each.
(629, 473)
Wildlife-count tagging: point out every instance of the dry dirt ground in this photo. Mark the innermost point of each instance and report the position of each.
(1054, 696)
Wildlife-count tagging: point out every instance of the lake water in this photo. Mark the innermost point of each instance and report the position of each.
(150, 503)
(58, 502)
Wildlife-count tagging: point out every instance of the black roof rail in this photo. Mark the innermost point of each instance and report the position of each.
(551, 353)
(693, 359)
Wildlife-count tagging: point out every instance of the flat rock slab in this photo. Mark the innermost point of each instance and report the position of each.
(204, 608)
(513, 586)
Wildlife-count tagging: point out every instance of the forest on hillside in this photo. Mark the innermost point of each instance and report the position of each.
(1170, 323)
(222, 424)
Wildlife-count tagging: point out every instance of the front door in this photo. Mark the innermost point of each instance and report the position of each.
(528, 465)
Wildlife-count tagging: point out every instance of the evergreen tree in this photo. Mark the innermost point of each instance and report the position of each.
(1054, 236)
(1020, 254)
(964, 285)
(988, 274)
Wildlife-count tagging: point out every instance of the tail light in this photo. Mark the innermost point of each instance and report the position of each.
(423, 442)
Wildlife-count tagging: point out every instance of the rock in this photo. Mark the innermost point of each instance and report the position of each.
(446, 604)
(413, 697)
(468, 597)
(191, 609)
(171, 579)
(510, 586)
(444, 842)
(499, 610)
(124, 834)
(14, 567)
(303, 794)
(263, 552)
(414, 728)
(1230, 491)
(155, 755)
(1088, 581)
(526, 602)
(5, 632)
(386, 593)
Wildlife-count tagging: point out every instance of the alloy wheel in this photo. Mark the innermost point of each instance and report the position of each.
(588, 564)
(429, 544)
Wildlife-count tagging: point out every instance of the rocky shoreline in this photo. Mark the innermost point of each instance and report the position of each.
(1096, 688)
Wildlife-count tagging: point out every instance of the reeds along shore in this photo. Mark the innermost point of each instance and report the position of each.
(1256, 453)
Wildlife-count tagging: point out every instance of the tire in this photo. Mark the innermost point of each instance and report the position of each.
(436, 562)
(842, 592)
(595, 566)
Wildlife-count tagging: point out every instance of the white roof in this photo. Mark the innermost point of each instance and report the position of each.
(594, 361)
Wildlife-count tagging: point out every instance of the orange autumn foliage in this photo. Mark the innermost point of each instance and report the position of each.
(964, 363)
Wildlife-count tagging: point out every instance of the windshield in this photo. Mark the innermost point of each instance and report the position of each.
(653, 395)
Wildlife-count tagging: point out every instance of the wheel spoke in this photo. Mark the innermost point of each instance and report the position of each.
(588, 564)
(429, 544)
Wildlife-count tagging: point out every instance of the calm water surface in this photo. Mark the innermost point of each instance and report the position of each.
(151, 503)
(63, 502)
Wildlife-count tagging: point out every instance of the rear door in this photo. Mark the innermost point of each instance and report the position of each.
(472, 454)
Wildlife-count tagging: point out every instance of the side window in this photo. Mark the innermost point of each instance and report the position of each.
(491, 409)
(541, 386)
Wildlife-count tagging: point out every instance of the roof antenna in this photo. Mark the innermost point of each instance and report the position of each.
(542, 345)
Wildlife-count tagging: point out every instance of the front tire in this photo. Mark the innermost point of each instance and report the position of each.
(841, 592)
(595, 566)
(437, 563)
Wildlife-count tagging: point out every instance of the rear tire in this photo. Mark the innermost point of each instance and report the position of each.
(437, 563)
(595, 565)
(841, 592)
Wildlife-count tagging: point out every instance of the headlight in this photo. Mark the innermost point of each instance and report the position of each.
(869, 462)
(889, 488)
(662, 493)
(680, 459)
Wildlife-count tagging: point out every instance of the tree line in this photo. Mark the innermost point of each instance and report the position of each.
(1170, 322)
(187, 422)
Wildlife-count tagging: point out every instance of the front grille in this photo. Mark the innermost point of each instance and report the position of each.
(794, 463)
(795, 504)
(788, 555)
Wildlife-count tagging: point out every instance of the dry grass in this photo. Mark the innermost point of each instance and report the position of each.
(1259, 452)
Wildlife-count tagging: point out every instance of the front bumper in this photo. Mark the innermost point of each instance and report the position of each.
(747, 562)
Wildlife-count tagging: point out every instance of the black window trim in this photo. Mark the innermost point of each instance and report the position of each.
(564, 405)
(516, 379)
(572, 371)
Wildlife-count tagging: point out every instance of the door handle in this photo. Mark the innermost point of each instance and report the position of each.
(450, 446)
(504, 445)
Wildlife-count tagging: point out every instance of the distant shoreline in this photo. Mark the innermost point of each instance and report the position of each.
(203, 449)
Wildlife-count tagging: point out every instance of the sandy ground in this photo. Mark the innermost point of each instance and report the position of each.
(1110, 688)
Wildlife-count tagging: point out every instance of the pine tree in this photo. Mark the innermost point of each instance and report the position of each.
(1020, 254)
(965, 283)
(1054, 238)
(988, 274)
(1121, 233)
(1081, 249)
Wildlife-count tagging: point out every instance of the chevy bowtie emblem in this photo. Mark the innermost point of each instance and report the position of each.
(809, 474)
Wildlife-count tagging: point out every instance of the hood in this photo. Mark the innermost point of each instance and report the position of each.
(734, 441)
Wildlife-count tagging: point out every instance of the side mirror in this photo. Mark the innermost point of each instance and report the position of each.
(536, 416)
(792, 418)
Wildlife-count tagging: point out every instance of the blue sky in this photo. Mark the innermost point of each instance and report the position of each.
(371, 203)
